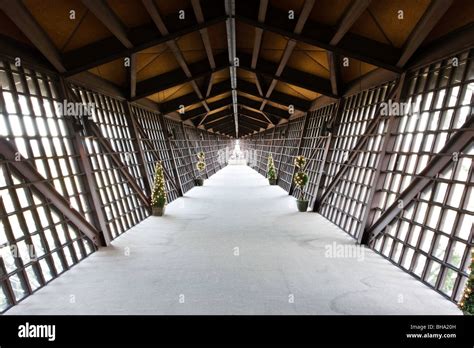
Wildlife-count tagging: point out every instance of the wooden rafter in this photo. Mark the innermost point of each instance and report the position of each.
(152, 9)
(104, 13)
(23, 19)
(352, 45)
(144, 37)
(290, 45)
(432, 16)
(350, 17)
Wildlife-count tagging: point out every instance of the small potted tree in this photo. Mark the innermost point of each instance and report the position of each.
(200, 166)
(158, 195)
(271, 171)
(300, 180)
(466, 304)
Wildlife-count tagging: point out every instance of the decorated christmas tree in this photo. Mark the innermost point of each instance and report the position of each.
(301, 179)
(466, 304)
(271, 171)
(201, 164)
(158, 195)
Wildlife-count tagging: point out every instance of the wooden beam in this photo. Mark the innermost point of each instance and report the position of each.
(143, 37)
(132, 76)
(178, 77)
(242, 86)
(355, 10)
(85, 167)
(191, 98)
(335, 73)
(25, 22)
(259, 115)
(432, 15)
(350, 17)
(290, 45)
(291, 76)
(353, 153)
(269, 109)
(255, 116)
(137, 148)
(24, 168)
(388, 141)
(262, 10)
(277, 97)
(152, 9)
(456, 143)
(94, 130)
(212, 117)
(452, 43)
(211, 121)
(204, 33)
(201, 111)
(351, 45)
(178, 185)
(107, 16)
(259, 124)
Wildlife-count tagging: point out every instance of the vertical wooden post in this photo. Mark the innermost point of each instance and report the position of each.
(137, 148)
(170, 154)
(329, 144)
(189, 149)
(387, 140)
(93, 199)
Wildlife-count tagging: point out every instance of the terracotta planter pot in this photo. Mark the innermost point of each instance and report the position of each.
(158, 211)
(272, 181)
(199, 181)
(302, 205)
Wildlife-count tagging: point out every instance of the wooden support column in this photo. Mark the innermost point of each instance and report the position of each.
(149, 145)
(353, 153)
(89, 182)
(283, 146)
(30, 174)
(174, 167)
(387, 141)
(330, 142)
(94, 130)
(137, 148)
(456, 143)
(95, 201)
(189, 149)
(300, 143)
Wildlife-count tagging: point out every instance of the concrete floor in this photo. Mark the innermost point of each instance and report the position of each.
(185, 263)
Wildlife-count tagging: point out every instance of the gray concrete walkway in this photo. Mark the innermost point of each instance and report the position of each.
(234, 246)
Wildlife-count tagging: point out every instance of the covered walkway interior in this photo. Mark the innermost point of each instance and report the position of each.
(187, 263)
(99, 98)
